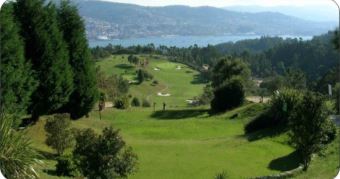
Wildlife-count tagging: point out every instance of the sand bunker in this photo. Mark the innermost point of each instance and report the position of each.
(178, 68)
(163, 94)
(133, 82)
(156, 69)
(191, 101)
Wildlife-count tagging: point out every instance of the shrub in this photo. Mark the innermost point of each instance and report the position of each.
(143, 75)
(281, 107)
(122, 103)
(135, 102)
(207, 96)
(228, 96)
(223, 175)
(308, 124)
(59, 135)
(146, 103)
(283, 103)
(66, 167)
(330, 131)
(105, 155)
(155, 82)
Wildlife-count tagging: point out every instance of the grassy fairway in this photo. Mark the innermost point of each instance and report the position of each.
(195, 146)
(182, 84)
(182, 142)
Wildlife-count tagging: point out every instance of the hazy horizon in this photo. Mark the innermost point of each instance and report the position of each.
(219, 3)
(314, 10)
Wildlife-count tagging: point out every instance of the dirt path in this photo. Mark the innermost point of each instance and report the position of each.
(257, 99)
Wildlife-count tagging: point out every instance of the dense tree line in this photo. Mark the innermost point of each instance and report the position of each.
(46, 65)
(267, 56)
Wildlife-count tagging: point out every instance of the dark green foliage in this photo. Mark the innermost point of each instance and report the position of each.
(140, 76)
(99, 53)
(146, 103)
(17, 82)
(335, 40)
(295, 79)
(66, 166)
(282, 105)
(207, 96)
(329, 78)
(228, 68)
(113, 86)
(104, 156)
(223, 175)
(229, 79)
(308, 126)
(273, 83)
(228, 96)
(59, 135)
(143, 75)
(135, 102)
(85, 91)
(336, 97)
(122, 102)
(46, 50)
(133, 59)
(330, 131)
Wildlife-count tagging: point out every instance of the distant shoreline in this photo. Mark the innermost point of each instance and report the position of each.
(183, 41)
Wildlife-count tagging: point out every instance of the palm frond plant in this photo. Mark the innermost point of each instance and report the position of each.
(17, 157)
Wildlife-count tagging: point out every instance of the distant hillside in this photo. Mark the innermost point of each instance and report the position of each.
(312, 12)
(116, 20)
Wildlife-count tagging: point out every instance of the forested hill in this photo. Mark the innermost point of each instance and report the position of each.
(116, 20)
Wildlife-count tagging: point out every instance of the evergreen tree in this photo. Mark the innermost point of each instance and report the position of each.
(227, 68)
(17, 83)
(85, 91)
(45, 48)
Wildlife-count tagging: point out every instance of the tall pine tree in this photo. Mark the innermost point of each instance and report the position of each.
(17, 82)
(85, 91)
(45, 48)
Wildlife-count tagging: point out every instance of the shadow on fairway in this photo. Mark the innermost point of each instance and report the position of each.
(285, 163)
(50, 172)
(178, 114)
(269, 132)
(124, 66)
(198, 79)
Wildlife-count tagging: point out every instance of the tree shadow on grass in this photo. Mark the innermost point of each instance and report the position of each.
(43, 155)
(125, 66)
(198, 79)
(268, 132)
(178, 114)
(50, 172)
(286, 163)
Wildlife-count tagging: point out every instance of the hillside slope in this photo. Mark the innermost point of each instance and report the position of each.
(179, 81)
(116, 20)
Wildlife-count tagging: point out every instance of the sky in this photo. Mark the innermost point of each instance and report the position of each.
(223, 3)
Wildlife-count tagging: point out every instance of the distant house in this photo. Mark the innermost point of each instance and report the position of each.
(205, 67)
(258, 82)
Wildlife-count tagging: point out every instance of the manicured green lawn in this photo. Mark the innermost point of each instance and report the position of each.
(183, 142)
(195, 146)
(182, 84)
